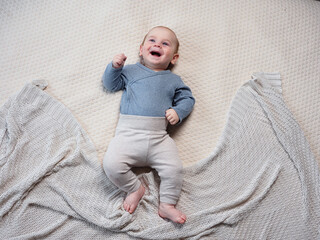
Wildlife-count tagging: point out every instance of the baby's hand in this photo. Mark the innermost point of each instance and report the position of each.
(118, 60)
(172, 116)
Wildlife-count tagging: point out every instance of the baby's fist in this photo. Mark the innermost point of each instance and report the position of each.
(118, 60)
(172, 116)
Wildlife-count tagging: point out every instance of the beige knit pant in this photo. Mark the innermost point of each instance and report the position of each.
(143, 141)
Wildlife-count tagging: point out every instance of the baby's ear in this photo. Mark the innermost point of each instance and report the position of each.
(175, 58)
(140, 51)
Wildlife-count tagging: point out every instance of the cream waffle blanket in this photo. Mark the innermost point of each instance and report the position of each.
(260, 182)
(69, 44)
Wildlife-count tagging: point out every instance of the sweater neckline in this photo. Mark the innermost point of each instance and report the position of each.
(150, 70)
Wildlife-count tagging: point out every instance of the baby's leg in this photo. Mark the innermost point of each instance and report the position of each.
(132, 200)
(120, 174)
(166, 161)
(117, 165)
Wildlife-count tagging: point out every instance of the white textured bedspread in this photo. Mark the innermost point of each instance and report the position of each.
(260, 182)
(69, 44)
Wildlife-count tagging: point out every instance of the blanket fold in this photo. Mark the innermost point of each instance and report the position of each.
(261, 180)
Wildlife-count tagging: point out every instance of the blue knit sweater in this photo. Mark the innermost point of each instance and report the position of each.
(149, 93)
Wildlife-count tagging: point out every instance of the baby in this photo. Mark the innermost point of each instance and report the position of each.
(152, 97)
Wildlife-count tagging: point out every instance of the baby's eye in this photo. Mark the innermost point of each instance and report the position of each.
(151, 40)
(165, 43)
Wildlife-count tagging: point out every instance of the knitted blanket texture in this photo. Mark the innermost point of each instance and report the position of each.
(260, 182)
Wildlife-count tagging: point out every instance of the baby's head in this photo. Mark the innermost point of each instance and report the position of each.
(159, 49)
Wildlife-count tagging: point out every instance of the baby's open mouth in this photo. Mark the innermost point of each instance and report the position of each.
(155, 53)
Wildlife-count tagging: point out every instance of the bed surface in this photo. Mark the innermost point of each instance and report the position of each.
(222, 43)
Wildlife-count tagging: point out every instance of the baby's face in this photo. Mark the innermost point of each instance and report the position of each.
(158, 49)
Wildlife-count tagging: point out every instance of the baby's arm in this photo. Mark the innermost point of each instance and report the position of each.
(172, 116)
(112, 78)
(183, 101)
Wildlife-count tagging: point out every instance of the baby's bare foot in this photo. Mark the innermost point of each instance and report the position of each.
(132, 200)
(170, 212)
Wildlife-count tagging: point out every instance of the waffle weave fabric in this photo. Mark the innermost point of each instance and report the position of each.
(69, 43)
(260, 182)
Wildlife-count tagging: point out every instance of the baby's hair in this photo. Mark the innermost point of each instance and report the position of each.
(176, 49)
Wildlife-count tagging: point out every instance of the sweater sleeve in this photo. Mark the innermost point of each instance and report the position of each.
(113, 79)
(183, 101)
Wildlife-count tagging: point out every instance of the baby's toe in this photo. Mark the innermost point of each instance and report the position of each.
(131, 209)
(126, 206)
(182, 219)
